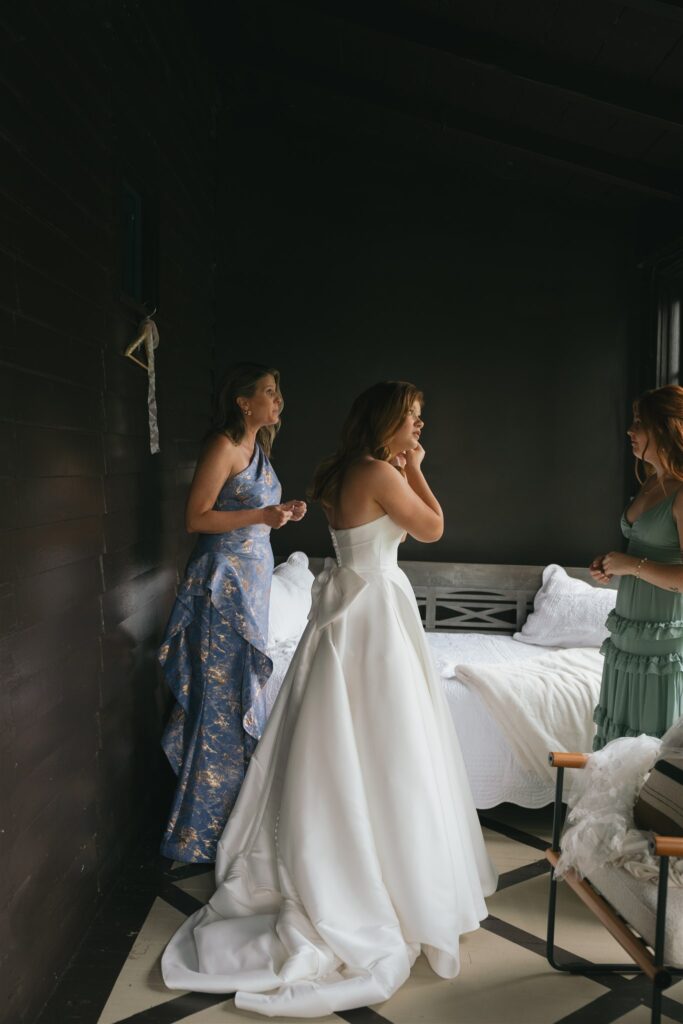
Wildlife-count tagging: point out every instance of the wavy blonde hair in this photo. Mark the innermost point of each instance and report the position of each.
(375, 416)
(660, 412)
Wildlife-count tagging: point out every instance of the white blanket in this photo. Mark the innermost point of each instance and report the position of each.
(542, 704)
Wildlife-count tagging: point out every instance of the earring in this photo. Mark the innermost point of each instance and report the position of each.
(248, 412)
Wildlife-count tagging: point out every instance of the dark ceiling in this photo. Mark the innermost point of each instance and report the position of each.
(585, 97)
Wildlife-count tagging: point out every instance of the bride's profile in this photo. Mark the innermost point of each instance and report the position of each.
(354, 844)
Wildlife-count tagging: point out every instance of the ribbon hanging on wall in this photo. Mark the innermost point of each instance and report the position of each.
(148, 336)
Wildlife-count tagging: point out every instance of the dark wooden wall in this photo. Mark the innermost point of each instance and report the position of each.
(516, 311)
(91, 523)
(342, 263)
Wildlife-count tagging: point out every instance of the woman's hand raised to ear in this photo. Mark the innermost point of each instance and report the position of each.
(414, 457)
(411, 458)
(407, 498)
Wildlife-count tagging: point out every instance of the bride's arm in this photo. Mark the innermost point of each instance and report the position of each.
(399, 461)
(407, 500)
(416, 479)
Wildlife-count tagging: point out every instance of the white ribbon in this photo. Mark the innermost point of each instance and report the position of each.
(148, 335)
(151, 342)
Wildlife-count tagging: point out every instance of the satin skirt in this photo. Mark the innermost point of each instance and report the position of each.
(354, 843)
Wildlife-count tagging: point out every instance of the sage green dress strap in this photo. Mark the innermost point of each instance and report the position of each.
(642, 678)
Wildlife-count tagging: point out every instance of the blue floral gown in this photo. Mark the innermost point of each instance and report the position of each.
(214, 660)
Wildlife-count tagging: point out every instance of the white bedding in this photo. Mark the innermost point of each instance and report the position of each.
(495, 773)
(543, 704)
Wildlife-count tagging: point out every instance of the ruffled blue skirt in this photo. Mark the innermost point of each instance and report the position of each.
(214, 661)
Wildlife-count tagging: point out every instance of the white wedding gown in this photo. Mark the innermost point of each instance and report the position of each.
(354, 843)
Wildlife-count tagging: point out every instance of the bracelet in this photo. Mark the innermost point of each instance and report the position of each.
(640, 565)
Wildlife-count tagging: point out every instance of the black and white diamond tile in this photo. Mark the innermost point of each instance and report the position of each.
(504, 976)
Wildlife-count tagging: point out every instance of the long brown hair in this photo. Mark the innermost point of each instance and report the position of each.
(239, 381)
(375, 416)
(660, 412)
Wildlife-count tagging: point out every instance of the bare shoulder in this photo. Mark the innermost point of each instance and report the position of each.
(220, 442)
(372, 469)
(371, 475)
(219, 450)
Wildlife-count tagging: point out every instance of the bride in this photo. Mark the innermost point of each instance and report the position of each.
(354, 844)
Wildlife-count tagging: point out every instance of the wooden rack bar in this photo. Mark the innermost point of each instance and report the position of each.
(634, 946)
(560, 759)
(666, 846)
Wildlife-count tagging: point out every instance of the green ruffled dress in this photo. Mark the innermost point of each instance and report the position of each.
(642, 677)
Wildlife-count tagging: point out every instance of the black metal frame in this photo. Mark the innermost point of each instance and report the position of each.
(664, 976)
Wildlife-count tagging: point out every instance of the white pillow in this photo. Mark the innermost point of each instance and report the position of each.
(567, 612)
(290, 599)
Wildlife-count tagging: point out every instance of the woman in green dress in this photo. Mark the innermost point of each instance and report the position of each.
(642, 679)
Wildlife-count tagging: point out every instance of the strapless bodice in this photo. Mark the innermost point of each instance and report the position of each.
(369, 547)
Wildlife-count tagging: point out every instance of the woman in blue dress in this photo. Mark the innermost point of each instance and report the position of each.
(213, 653)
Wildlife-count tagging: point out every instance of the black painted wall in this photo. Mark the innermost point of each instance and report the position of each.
(91, 524)
(517, 313)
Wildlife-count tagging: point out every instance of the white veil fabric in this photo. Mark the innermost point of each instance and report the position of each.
(600, 828)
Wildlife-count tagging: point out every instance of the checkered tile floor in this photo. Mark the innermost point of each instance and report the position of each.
(505, 979)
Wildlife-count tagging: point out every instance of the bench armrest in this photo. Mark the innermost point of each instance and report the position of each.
(560, 759)
(665, 846)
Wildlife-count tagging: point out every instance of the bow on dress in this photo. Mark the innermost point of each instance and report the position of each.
(334, 590)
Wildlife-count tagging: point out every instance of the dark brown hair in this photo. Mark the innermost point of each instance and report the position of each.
(660, 412)
(239, 381)
(375, 416)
